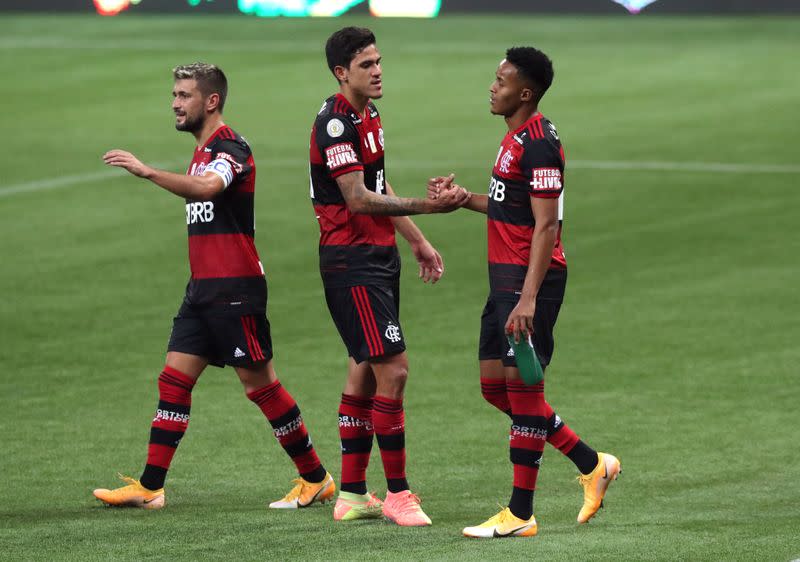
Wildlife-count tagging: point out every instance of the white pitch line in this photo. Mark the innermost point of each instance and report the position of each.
(64, 181)
(55, 183)
(709, 167)
(713, 167)
(620, 165)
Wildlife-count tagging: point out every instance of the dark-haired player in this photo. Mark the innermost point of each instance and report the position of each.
(222, 320)
(358, 214)
(527, 278)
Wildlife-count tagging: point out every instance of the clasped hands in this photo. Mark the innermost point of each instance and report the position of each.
(446, 194)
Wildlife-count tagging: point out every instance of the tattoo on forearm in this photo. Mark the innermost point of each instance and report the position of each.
(352, 187)
(394, 206)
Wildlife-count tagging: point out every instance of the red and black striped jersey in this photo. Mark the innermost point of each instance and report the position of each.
(226, 271)
(353, 249)
(530, 163)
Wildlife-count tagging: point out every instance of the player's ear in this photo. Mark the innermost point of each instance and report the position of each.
(341, 73)
(212, 102)
(526, 95)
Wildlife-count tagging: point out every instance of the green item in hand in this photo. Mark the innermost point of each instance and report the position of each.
(527, 362)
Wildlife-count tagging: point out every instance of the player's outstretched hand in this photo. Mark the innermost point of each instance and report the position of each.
(123, 159)
(520, 321)
(450, 200)
(438, 184)
(431, 267)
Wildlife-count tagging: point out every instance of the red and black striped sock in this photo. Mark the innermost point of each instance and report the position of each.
(169, 425)
(356, 433)
(527, 438)
(560, 436)
(390, 431)
(494, 392)
(287, 424)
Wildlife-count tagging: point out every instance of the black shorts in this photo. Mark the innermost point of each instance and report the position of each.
(368, 319)
(230, 339)
(493, 343)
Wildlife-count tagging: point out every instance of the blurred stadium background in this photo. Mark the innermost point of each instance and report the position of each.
(677, 345)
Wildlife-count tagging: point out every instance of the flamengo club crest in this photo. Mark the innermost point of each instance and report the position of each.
(392, 333)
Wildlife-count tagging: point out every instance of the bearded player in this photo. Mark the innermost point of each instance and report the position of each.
(527, 279)
(222, 320)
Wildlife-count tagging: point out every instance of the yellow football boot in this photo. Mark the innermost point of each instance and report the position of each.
(305, 493)
(596, 483)
(132, 495)
(504, 524)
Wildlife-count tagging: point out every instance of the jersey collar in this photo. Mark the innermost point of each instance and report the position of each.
(534, 117)
(211, 138)
(349, 105)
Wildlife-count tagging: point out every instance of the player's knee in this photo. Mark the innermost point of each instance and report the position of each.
(392, 375)
(400, 375)
(397, 378)
(256, 375)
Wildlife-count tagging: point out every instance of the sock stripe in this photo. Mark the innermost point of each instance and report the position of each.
(286, 419)
(297, 448)
(364, 403)
(526, 420)
(263, 395)
(357, 445)
(174, 381)
(387, 407)
(526, 390)
(160, 456)
(527, 457)
(166, 437)
(184, 378)
(173, 407)
(519, 386)
(500, 391)
(394, 442)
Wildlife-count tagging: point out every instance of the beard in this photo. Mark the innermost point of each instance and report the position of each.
(191, 125)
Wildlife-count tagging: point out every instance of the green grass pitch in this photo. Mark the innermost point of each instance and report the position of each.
(677, 347)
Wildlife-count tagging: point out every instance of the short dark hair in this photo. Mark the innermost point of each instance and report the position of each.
(533, 66)
(210, 79)
(343, 46)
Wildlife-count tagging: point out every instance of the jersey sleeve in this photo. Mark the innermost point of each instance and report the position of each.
(338, 143)
(543, 168)
(230, 161)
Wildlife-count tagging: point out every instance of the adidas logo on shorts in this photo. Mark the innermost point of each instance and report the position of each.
(238, 353)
